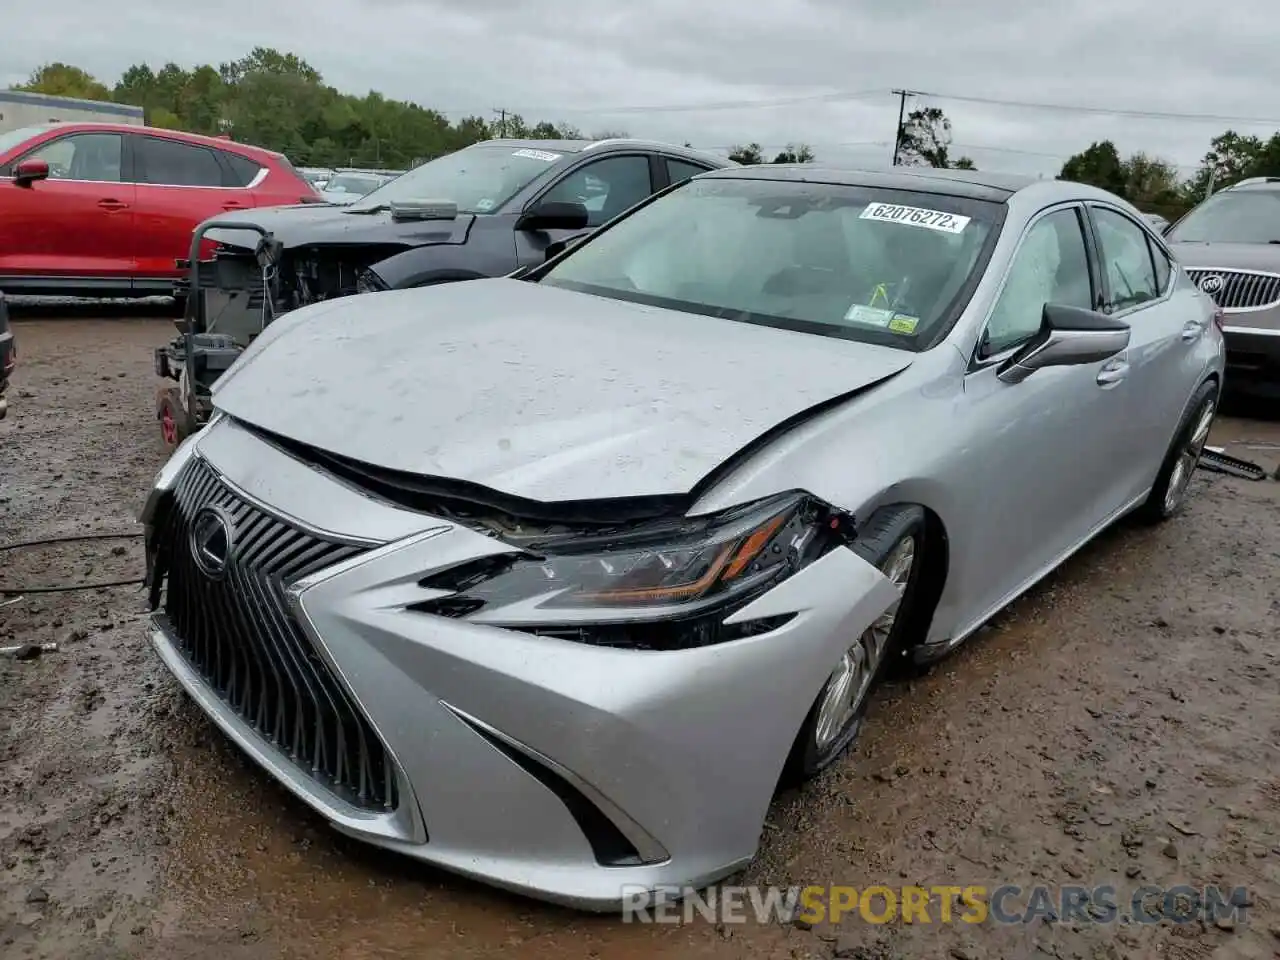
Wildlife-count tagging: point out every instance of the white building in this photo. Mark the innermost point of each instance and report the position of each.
(22, 109)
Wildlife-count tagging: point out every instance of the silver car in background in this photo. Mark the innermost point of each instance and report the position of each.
(348, 186)
(551, 580)
(1230, 245)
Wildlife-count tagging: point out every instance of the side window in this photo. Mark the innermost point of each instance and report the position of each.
(170, 163)
(1126, 258)
(1164, 269)
(679, 171)
(607, 187)
(242, 168)
(82, 156)
(1051, 266)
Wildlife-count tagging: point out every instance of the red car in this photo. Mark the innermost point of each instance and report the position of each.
(106, 210)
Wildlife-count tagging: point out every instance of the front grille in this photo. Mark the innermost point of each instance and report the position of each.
(1241, 289)
(239, 634)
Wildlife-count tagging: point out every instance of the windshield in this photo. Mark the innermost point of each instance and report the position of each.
(858, 263)
(356, 183)
(478, 179)
(14, 137)
(1243, 216)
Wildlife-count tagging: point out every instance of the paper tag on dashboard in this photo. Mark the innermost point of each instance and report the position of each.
(915, 217)
(869, 316)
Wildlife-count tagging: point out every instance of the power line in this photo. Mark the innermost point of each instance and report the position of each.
(1106, 111)
(838, 96)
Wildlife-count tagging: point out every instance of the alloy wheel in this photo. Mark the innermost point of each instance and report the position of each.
(851, 680)
(1184, 467)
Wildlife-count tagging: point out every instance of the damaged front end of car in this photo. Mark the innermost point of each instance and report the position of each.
(628, 678)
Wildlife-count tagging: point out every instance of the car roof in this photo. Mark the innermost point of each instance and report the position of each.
(221, 143)
(610, 144)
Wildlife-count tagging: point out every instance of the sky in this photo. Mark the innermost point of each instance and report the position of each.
(722, 72)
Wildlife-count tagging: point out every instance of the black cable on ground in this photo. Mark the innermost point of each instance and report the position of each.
(69, 588)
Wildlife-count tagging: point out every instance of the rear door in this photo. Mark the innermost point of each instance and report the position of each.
(77, 224)
(179, 185)
(1166, 324)
(607, 187)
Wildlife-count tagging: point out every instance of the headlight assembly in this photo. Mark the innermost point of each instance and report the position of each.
(663, 584)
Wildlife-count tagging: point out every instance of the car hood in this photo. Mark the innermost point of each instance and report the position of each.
(321, 224)
(1228, 256)
(537, 392)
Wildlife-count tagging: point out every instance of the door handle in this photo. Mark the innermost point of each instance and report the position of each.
(1192, 331)
(110, 204)
(1113, 373)
(233, 205)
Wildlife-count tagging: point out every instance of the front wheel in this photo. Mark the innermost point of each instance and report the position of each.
(894, 541)
(1169, 492)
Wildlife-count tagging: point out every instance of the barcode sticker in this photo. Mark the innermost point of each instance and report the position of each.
(915, 217)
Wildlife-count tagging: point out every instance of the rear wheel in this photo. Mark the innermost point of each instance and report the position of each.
(1174, 479)
(894, 541)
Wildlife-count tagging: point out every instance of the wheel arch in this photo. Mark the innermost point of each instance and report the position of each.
(937, 566)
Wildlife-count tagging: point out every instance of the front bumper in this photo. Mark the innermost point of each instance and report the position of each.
(1253, 356)
(565, 771)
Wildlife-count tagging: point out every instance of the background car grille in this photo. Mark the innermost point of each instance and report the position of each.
(240, 636)
(1241, 289)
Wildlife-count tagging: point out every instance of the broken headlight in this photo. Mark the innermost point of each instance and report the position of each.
(665, 584)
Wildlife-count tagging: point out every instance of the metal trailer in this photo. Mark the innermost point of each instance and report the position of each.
(228, 303)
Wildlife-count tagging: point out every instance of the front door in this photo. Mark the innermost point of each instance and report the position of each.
(78, 223)
(606, 187)
(1048, 444)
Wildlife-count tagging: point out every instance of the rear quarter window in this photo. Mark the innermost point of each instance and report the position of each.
(243, 170)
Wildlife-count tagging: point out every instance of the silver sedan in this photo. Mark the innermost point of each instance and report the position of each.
(551, 580)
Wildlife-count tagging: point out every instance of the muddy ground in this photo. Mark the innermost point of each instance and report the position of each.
(1121, 726)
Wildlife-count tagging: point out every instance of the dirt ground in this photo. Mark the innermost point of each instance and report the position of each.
(1120, 726)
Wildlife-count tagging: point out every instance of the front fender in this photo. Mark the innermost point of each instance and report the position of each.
(422, 266)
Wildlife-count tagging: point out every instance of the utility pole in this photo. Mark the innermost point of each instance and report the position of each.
(902, 111)
(502, 121)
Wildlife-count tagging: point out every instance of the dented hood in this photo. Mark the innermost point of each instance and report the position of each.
(534, 391)
(322, 224)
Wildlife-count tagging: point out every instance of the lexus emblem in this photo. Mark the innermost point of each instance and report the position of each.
(212, 540)
(1212, 284)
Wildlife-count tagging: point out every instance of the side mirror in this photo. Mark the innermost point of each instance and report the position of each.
(1068, 337)
(29, 171)
(554, 215)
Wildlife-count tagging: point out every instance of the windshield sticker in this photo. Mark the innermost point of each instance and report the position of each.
(915, 217)
(901, 323)
(484, 206)
(869, 316)
(537, 155)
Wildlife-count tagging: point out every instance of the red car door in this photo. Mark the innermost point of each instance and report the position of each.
(78, 223)
(179, 185)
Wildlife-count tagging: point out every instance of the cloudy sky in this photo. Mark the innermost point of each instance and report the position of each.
(721, 72)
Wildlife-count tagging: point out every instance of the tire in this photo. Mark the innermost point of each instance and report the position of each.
(823, 738)
(1169, 493)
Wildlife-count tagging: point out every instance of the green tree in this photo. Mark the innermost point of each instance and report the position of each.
(795, 153)
(747, 155)
(1099, 165)
(64, 80)
(1231, 157)
(925, 138)
(964, 163)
